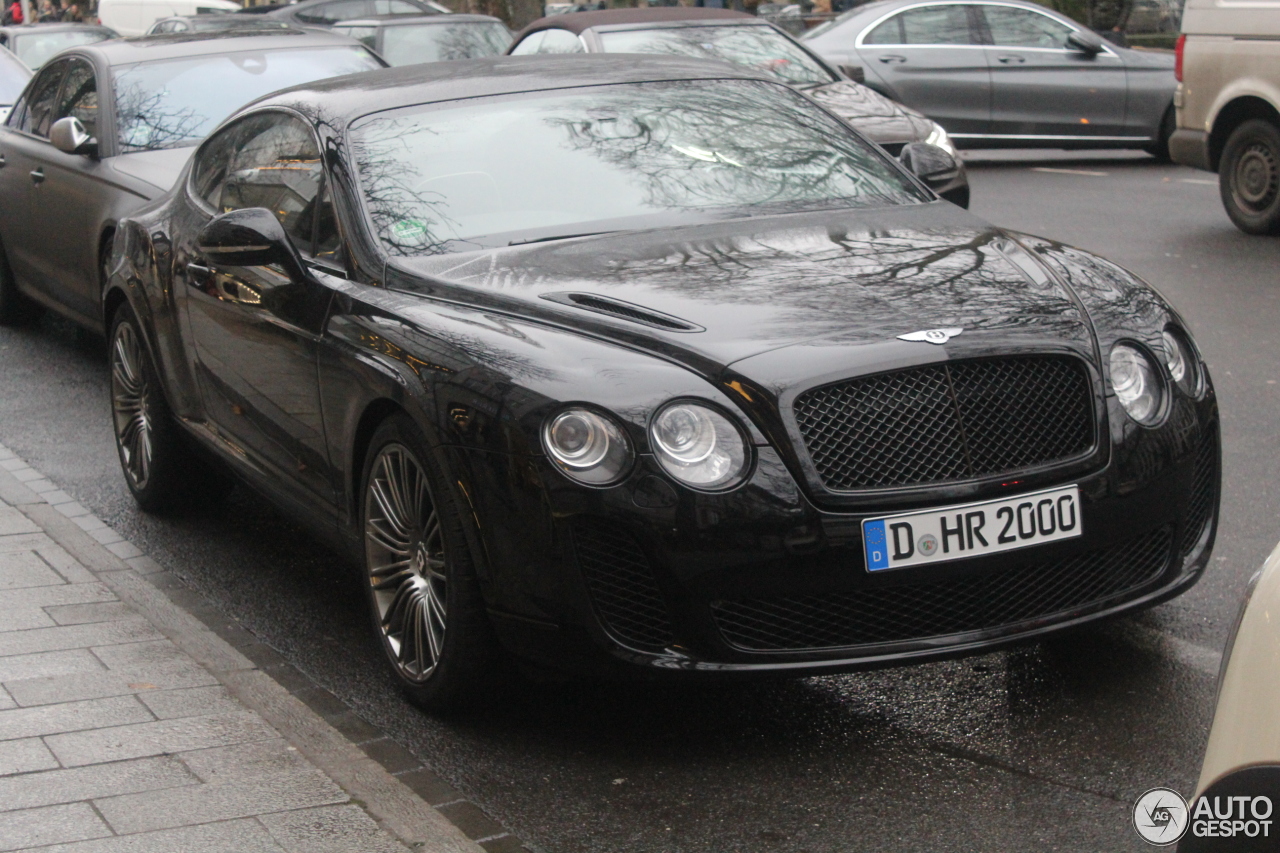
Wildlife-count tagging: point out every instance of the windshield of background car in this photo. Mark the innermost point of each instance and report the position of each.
(504, 170)
(36, 49)
(13, 77)
(408, 44)
(177, 102)
(753, 46)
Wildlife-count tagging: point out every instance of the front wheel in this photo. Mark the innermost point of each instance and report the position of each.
(1249, 177)
(425, 601)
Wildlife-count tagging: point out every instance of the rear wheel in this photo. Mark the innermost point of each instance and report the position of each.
(15, 308)
(1249, 177)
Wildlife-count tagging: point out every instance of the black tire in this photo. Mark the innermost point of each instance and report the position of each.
(15, 308)
(1168, 123)
(1249, 177)
(419, 574)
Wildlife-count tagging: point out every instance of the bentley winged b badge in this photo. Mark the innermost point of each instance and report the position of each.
(932, 336)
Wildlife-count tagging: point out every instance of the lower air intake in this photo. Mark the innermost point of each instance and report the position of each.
(622, 585)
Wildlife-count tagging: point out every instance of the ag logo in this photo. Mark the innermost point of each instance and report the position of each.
(1160, 816)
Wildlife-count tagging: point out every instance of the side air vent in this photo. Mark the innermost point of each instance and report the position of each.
(625, 310)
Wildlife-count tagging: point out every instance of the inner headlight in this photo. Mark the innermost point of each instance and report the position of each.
(699, 446)
(587, 446)
(1136, 383)
(1181, 361)
(938, 136)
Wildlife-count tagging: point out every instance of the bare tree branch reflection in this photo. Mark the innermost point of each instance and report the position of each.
(148, 121)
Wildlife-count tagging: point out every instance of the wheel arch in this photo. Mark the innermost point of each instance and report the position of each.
(1233, 114)
(375, 412)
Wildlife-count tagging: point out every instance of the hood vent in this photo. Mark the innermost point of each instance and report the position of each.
(624, 310)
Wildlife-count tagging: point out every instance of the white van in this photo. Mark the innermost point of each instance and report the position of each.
(135, 17)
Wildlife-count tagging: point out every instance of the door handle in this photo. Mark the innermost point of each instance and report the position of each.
(1012, 59)
(893, 59)
(198, 276)
(37, 176)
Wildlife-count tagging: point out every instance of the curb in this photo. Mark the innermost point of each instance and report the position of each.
(403, 796)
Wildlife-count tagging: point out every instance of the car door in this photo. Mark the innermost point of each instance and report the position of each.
(24, 149)
(1041, 86)
(930, 57)
(255, 331)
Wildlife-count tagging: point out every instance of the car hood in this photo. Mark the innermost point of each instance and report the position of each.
(787, 292)
(883, 120)
(160, 168)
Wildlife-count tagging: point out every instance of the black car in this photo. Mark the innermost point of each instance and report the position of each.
(105, 128)
(410, 40)
(650, 365)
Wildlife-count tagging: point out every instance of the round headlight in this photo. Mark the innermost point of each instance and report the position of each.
(1136, 383)
(699, 446)
(1181, 361)
(587, 446)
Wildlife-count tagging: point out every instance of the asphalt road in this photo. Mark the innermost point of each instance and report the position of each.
(1044, 747)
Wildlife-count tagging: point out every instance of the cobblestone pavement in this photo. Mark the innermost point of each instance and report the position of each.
(126, 725)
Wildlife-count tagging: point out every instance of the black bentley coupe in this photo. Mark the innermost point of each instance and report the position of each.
(652, 365)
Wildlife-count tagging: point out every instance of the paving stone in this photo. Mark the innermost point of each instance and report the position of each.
(66, 565)
(6, 701)
(144, 565)
(105, 535)
(25, 756)
(156, 738)
(24, 619)
(58, 497)
(41, 485)
(468, 817)
(13, 463)
(86, 783)
(243, 780)
(44, 664)
(51, 825)
(504, 844)
(23, 542)
(233, 836)
(391, 755)
(330, 829)
(193, 702)
(132, 630)
(12, 521)
(73, 717)
(73, 509)
(84, 614)
(100, 684)
(124, 550)
(25, 569)
(137, 656)
(48, 596)
(89, 522)
(430, 787)
(25, 475)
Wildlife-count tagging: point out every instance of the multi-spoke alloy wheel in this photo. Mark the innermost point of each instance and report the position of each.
(131, 405)
(406, 562)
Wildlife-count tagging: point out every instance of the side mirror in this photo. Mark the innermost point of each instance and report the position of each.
(853, 72)
(251, 237)
(69, 136)
(1086, 43)
(929, 163)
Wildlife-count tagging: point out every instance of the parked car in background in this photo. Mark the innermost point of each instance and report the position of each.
(13, 79)
(214, 23)
(35, 43)
(135, 17)
(1006, 73)
(409, 40)
(749, 42)
(652, 365)
(1229, 106)
(326, 13)
(104, 128)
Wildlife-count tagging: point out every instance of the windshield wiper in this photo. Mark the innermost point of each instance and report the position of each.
(560, 237)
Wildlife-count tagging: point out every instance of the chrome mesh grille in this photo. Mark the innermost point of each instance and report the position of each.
(947, 422)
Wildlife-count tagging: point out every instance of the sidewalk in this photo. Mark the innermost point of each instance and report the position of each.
(127, 725)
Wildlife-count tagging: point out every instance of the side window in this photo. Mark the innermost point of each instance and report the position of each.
(1012, 27)
(42, 99)
(529, 45)
(368, 36)
(397, 7)
(331, 13)
(559, 41)
(79, 97)
(925, 25)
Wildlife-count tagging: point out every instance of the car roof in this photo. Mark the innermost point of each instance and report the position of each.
(163, 46)
(399, 20)
(576, 22)
(344, 99)
(54, 27)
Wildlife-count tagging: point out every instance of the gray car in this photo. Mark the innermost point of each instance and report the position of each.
(410, 40)
(102, 129)
(326, 13)
(13, 79)
(35, 43)
(1006, 73)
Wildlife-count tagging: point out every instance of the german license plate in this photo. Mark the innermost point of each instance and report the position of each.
(971, 530)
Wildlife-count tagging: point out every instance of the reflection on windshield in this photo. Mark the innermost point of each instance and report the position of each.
(35, 49)
(512, 169)
(407, 44)
(754, 46)
(178, 102)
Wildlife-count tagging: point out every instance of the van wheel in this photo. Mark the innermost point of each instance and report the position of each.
(1249, 177)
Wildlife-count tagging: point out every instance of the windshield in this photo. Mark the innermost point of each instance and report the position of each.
(13, 77)
(758, 47)
(35, 49)
(504, 170)
(407, 44)
(178, 102)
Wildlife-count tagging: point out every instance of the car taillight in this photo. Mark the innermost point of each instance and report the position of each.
(1177, 56)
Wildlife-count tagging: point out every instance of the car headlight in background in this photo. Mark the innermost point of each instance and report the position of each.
(1136, 383)
(938, 136)
(1181, 360)
(698, 446)
(587, 446)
